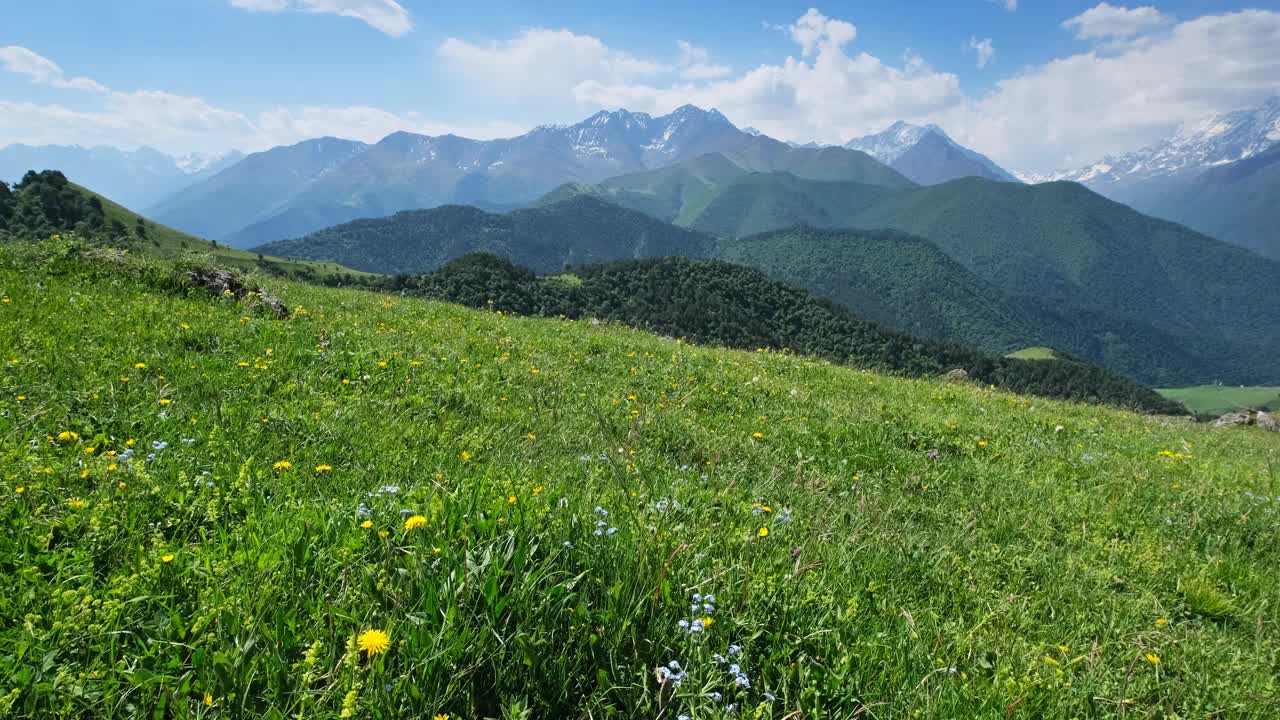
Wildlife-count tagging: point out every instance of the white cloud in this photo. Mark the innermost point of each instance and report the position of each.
(1109, 21)
(984, 48)
(828, 94)
(695, 63)
(1073, 110)
(1065, 112)
(1009, 5)
(387, 16)
(180, 124)
(40, 69)
(541, 62)
(815, 32)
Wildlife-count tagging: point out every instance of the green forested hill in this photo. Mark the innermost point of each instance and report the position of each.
(1146, 297)
(713, 302)
(900, 280)
(1102, 266)
(546, 239)
(46, 203)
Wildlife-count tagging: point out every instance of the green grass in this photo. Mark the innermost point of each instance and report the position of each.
(1034, 353)
(1222, 399)
(166, 242)
(1027, 571)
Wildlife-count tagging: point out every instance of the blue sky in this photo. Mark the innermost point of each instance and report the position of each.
(1036, 84)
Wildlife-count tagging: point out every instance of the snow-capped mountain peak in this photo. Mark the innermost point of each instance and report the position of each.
(889, 144)
(1205, 143)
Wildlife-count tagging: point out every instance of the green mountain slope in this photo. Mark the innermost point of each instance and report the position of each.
(1080, 255)
(900, 280)
(578, 231)
(253, 189)
(1238, 202)
(47, 203)
(858, 532)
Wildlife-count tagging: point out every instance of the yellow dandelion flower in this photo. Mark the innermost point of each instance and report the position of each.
(1161, 622)
(384, 534)
(982, 443)
(441, 716)
(139, 366)
(323, 468)
(84, 473)
(466, 456)
(366, 524)
(121, 486)
(511, 500)
(184, 326)
(130, 442)
(706, 621)
(67, 436)
(20, 489)
(763, 532)
(281, 465)
(373, 642)
(90, 450)
(1153, 658)
(166, 558)
(75, 503)
(537, 489)
(165, 401)
(531, 436)
(414, 522)
(757, 435)
(1064, 648)
(208, 698)
(111, 467)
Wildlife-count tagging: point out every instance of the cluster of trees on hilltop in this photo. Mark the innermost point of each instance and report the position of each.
(44, 203)
(716, 303)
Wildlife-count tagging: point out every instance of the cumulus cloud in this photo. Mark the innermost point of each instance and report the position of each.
(695, 63)
(1073, 110)
(1068, 111)
(387, 16)
(40, 69)
(827, 94)
(815, 32)
(1109, 21)
(983, 48)
(541, 61)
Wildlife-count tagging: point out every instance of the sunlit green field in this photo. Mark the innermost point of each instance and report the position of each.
(206, 511)
(1034, 353)
(1221, 399)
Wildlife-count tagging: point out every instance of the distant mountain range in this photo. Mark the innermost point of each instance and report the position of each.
(995, 265)
(405, 171)
(927, 155)
(292, 190)
(1218, 176)
(137, 178)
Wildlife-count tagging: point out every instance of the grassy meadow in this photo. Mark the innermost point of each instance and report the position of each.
(1214, 400)
(386, 508)
(166, 242)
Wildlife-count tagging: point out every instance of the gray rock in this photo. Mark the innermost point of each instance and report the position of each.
(1267, 421)
(958, 375)
(1240, 418)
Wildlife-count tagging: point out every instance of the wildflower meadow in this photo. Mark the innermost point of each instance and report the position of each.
(381, 507)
